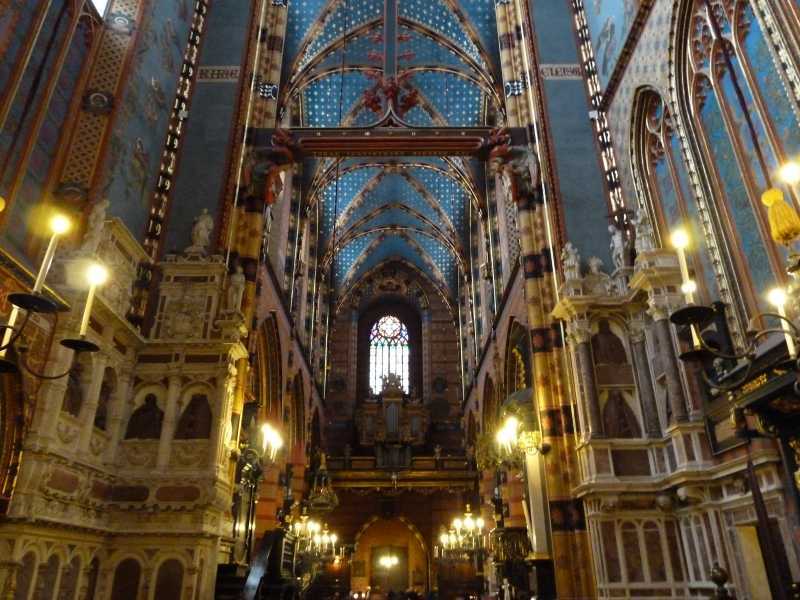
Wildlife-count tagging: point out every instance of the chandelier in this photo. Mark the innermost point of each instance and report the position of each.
(463, 540)
(315, 543)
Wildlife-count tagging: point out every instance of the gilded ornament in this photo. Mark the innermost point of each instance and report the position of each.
(784, 224)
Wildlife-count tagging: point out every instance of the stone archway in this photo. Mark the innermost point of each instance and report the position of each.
(400, 537)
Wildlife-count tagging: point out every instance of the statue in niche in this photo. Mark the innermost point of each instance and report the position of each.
(570, 262)
(617, 246)
(645, 237)
(201, 233)
(619, 421)
(236, 285)
(94, 228)
(607, 347)
(145, 422)
(195, 422)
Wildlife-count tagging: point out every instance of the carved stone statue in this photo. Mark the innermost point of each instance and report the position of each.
(570, 262)
(145, 422)
(617, 246)
(201, 233)
(598, 283)
(595, 266)
(645, 237)
(94, 228)
(391, 382)
(236, 285)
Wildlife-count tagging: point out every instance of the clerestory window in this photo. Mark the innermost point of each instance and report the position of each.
(389, 352)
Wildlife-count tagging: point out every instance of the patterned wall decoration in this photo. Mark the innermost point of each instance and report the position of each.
(143, 113)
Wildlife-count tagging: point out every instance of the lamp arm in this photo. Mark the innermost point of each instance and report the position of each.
(38, 375)
(785, 319)
(730, 386)
(17, 331)
(757, 336)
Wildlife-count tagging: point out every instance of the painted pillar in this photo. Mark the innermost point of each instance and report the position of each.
(170, 418)
(570, 542)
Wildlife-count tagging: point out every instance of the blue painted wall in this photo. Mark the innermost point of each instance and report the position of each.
(140, 127)
(207, 138)
(580, 178)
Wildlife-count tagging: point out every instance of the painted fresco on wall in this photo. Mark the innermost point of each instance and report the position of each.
(143, 115)
(610, 22)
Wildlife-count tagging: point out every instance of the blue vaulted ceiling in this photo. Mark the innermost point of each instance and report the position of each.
(413, 208)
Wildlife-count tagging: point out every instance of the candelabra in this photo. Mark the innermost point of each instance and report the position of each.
(35, 302)
(464, 540)
(254, 456)
(316, 544)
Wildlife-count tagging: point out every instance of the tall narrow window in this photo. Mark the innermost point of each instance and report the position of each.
(659, 162)
(724, 140)
(388, 352)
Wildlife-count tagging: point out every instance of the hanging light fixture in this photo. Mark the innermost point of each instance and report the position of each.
(463, 540)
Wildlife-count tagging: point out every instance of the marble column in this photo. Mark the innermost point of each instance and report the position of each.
(168, 425)
(644, 380)
(677, 400)
(117, 412)
(581, 336)
(91, 399)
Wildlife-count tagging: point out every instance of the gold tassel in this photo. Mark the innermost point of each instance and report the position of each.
(784, 223)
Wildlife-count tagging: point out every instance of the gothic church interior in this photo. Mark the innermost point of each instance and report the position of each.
(387, 299)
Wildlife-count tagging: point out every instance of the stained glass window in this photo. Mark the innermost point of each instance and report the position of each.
(389, 352)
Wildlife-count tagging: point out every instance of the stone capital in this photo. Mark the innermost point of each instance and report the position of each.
(636, 329)
(580, 331)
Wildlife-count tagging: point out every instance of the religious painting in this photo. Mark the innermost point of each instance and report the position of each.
(610, 23)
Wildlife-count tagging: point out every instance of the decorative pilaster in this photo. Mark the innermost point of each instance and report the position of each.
(116, 411)
(226, 384)
(51, 396)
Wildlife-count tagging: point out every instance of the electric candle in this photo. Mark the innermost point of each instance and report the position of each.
(97, 275)
(59, 225)
(777, 297)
